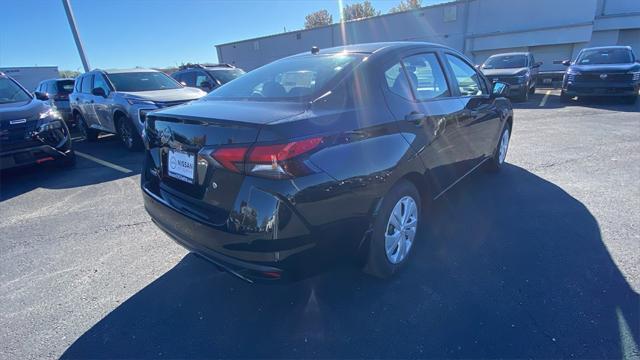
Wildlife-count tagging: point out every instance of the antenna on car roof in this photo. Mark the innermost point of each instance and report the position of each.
(315, 50)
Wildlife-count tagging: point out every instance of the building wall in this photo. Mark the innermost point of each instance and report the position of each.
(553, 30)
(30, 77)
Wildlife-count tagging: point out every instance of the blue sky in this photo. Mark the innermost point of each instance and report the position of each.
(153, 33)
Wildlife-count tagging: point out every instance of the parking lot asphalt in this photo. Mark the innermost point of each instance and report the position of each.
(539, 261)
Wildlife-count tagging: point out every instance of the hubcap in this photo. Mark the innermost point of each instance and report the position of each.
(401, 229)
(504, 146)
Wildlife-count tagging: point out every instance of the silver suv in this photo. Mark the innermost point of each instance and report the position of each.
(117, 101)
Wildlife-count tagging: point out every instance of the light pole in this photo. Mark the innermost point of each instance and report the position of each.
(76, 35)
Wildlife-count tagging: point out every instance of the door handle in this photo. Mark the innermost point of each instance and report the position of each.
(416, 118)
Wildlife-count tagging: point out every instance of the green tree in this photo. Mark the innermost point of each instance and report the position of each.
(69, 74)
(318, 18)
(359, 11)
(406, 5)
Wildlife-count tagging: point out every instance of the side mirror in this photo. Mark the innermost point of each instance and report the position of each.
(206, 85)
(98, 92)
(499, 89)
(538, 64)
(41, 96)
(566, 62)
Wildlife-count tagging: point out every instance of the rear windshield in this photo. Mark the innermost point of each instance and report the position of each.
(65, 86)
(505, 62)
(226, 75)
(605, 56)
(287, 79)
(142, 81)
(10, 92)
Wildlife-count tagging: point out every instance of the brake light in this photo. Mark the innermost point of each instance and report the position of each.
(274, 161)
(230, 158)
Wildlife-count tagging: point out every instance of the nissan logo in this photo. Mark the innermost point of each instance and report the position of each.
(603, 76)
(166, 136)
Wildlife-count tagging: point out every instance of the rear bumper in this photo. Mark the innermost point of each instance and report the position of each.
(599, 89)
(256, 255)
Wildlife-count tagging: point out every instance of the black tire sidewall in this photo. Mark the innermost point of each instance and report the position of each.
(136, 143)
(377, 263)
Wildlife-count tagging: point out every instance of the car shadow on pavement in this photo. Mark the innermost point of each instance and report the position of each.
(508, 266)
(14, 182)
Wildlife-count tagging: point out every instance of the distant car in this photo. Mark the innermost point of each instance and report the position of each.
(31, 132)
(517, 69)
(117, 101)
(321, 155)
(58, 91)
(603, 71)
(207, 77)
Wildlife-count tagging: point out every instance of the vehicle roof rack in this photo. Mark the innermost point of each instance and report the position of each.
(204, 66)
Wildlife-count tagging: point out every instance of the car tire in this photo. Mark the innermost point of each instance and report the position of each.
(128, 134)
(564, 97)
(87, 133)
(524, 97)
(69, 160)
(384, 257)
(496, 162)
(532, 90)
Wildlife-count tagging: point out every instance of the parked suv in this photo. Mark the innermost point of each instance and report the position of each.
(207, 77)
(117, 101)
(320, 155)
(58, 91)
(603, 71)
(518, 69)
(31, 132)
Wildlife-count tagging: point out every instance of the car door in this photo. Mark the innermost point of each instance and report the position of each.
(84, 100)
(479, 121)
(102, 105)
(420, 98)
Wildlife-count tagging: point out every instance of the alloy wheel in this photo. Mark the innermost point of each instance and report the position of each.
(401, 229)
(126, 134)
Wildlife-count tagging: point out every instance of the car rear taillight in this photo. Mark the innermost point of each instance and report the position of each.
(278, 161)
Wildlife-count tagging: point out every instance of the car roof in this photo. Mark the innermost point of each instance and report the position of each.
(608, 47)
(512, 53)
(123, 71)
(377, 47)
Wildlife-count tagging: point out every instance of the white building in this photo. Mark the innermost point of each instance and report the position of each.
(552, 29)
(30, 76)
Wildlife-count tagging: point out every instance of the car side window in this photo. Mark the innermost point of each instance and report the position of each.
(86, 84)
(51, 88)
(100, 82)
(78, 83)
(189, 78)
(468, 80)
(397, 81)
(426, 76)
(200, 78)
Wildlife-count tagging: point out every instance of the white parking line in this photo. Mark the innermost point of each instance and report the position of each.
(102, 162)
(544, 99)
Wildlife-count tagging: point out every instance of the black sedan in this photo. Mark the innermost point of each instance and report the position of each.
(603, 71)
(322, 155)
(30, 131)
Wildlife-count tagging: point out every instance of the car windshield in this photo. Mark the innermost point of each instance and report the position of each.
(505, 62)
(605, 56)
(10, 92)
(142, 81)
(288, 79)
(65, 86)
(225, 75)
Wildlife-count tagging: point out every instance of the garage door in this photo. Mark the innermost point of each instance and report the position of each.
(631, 38)
(550, 54)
